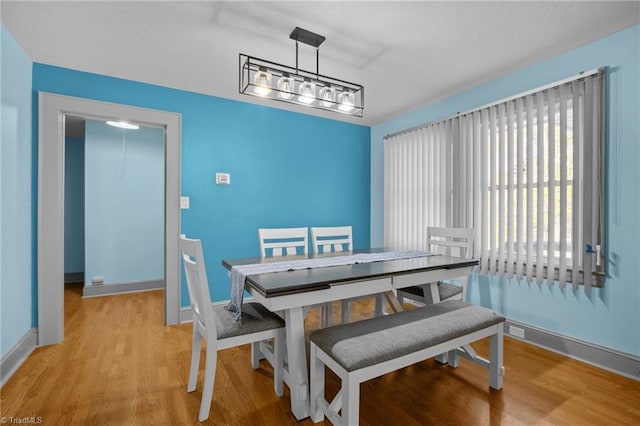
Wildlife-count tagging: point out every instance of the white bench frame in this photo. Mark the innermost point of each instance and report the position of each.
(348, 397)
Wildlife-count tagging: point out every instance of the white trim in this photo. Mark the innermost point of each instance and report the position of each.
(17, 355)
(624, 364)
(52, 110)
(89, 291)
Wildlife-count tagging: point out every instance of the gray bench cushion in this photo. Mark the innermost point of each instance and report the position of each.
(364, 343)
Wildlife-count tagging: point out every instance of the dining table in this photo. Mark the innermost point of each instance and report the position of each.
(293, 290)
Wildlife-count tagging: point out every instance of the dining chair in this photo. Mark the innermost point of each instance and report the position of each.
(287, 242)
(214, 323)
(457, 242)
(283, 241)
(332, 240)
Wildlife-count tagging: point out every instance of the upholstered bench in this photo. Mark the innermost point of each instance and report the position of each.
(360, 351)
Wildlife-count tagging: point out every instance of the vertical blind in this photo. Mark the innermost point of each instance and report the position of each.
(526, 173)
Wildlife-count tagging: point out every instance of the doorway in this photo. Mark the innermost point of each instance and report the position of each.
(52, 112)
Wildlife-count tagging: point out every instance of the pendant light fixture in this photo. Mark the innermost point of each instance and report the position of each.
(266, 79)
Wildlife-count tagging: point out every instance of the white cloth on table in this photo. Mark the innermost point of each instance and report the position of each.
(239, 273)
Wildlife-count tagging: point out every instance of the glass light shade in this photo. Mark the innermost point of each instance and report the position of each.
(262, 83)
(307, 92)
(328, 96)
(286, 86)
(123, 125)
(345, 101)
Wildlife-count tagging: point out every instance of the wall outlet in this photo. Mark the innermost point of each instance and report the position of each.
(516, 331)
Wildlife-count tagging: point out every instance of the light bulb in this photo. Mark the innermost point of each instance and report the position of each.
(307, 92)
(262, 82)
(286, 86)
(123, 125)
(328, 96)
(345, 100)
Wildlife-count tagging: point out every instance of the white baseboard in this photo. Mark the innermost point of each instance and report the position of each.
(111, 289)
(621, 363)
(186, 314)
(17, 355)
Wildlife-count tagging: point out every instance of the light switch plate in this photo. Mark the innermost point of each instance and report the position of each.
(184, 203)
(223, 178)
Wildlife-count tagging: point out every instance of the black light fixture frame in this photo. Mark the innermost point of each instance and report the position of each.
(250, 65)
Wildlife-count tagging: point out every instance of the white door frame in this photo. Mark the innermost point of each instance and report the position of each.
(52, 109)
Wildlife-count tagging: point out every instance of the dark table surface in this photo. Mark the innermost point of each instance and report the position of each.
(299, 281)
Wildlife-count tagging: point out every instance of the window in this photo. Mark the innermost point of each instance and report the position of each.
(525, 173)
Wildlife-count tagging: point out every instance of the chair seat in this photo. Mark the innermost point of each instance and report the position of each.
(445, 290)
(255, 318)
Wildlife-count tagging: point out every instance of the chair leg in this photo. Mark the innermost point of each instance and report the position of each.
(209, 380)
(256, 355)
(279, 350)
(195, 360)
(463, 283)
(379, 309)
(328, 314)
(453, 359)
(443, 358)
(346, 311)
(496, 360)
(316, 385)
(325, 312)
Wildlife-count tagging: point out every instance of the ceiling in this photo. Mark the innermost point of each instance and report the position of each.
(406, 54)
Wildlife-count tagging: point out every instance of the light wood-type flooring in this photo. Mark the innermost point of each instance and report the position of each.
(119, 365)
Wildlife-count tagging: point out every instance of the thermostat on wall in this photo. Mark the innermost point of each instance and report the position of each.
(223, 178)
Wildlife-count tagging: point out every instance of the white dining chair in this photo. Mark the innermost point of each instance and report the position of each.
(215, 324)
(287, 242)
(457, 242)
(333, 240)
(283, 241)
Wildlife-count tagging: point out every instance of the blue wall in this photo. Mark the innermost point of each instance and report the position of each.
(74, 204)
(16, 247)
(124, 203)
(287, 169)
(609, 316)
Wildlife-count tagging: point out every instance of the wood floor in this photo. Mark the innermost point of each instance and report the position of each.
(118, 365)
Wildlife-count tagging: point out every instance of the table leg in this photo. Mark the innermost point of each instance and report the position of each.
(431, 294)
(393, 301)
(297, 363)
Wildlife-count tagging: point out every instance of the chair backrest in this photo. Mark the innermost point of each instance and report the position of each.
(198, 285)
(283, 241)
(456, 242)
(331, 239)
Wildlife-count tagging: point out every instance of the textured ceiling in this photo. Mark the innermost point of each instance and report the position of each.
(405, 54)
